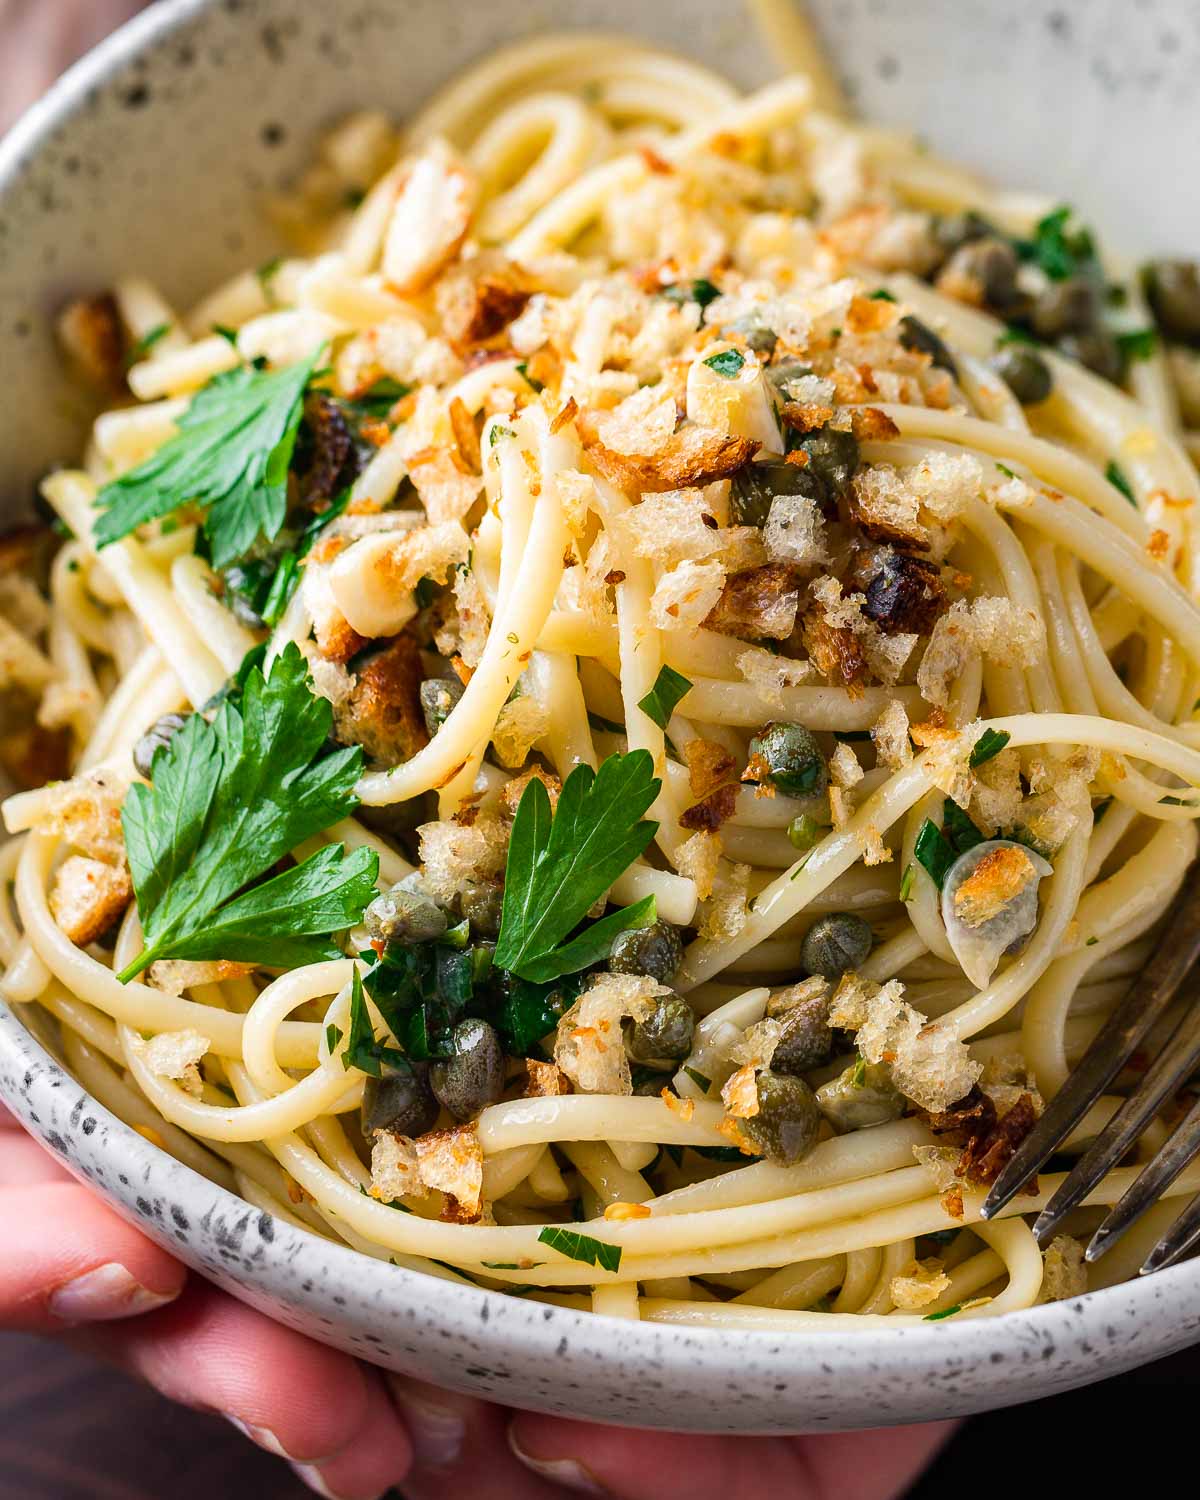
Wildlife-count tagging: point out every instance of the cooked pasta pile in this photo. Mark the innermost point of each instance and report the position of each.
(607, 419)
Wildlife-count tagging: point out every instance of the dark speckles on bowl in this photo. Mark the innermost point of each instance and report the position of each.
(152, 157)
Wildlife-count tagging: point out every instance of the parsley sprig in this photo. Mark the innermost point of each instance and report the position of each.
(231, 453)
(228, 801)
(559, 865)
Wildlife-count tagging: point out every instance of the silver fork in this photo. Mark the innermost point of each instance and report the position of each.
(1145, 1004)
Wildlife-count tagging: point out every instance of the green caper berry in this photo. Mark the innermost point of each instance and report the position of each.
(473, 1077)
(655, 950)
(833, 458)
(806, 1038)
(785, 371)
(1025, 372)
(953, 230)
(438, 697)
(401, 1101)
(156, 738)
(1071, 306)
(665, 1035)
(482, 904)
(861, 1097)
(921, 339)
(1095, 351)
(755, 333)
(991, 265)
(788, 757)
(787, 1123)
(756, 485)
(1173, 288)
(404, 916)
(804, 832)
(835, 943)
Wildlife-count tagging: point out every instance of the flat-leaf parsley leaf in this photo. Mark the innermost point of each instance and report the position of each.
(560, 865)
(231, 454)
(228, 800)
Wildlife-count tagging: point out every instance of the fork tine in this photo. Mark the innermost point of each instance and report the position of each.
(1150, 1185)
(1179, 1240)
(1176, 1062)
(1118, 1038)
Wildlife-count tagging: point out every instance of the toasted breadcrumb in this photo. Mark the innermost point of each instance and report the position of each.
(1064, 1271)
(726, 910)
(453, 854)
(698, 858)
(918, 1284)
(890, 733)
(929, 1064)
(88, 896)
(686, 596)
(175, 1055)
(520, 724)
(589, 1045)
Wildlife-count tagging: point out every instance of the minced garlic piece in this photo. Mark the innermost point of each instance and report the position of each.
(176, 1055)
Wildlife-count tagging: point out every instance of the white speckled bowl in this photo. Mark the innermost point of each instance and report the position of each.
(152, 155)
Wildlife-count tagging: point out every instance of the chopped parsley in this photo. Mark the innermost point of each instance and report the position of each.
(1060, 248)
(988, 746)
(698, 1079)
(701, 290)
(147, 342)
(659, 703)
(523, 372)
(948, 1312)
(726, 362)
(228, 801)
(499, 432)
(559, 865)
(881, 294)
(937, 848)
(906, 881)
(1137, 343)
(231, 454)
(1116, 476)
(581, 1247)
(333, 1035)
(378, 399)
(364, 1051)
(1004, 469)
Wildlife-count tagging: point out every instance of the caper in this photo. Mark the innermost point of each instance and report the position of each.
(921, 339)
(863, 1096)
(665, 1036)
(473, 1077)
(401, 1101)
(952, 230)
(991, 265)
(1096, 351)
(756, 484)
(755, 333)
(1173, 287)
(833, 458)
(1070, 306)
(405, 915)
(787, 370)
(438, 697)
(788, 757)
(806, 1038)
(655, 950)
(834, 943)
(156, 738)
(482, 903)
(787, 1123)
(1024, 372)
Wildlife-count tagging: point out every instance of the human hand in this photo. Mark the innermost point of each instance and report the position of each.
(42, 37)
(70, 1268)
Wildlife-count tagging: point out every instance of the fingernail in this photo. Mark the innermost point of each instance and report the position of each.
(103, 1294)
(437, 1433)
(567, 1472)
(261, 1437)
(311, 1476)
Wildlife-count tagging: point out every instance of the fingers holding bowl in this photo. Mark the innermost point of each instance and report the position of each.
(329, 1416)
(67, 1259)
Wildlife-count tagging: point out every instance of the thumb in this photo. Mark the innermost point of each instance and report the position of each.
(66, 1259)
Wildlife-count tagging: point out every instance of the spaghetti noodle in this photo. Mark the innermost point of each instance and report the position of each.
(637, 440)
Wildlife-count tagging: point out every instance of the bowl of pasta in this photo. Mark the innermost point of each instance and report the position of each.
(599, 687)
